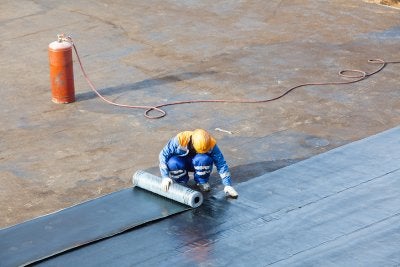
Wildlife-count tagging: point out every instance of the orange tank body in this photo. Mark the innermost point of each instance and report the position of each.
(61, 72)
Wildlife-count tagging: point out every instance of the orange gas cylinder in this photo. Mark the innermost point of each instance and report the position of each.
(61, 71)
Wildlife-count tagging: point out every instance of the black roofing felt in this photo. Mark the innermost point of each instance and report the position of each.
(90, 221)
(339, 208)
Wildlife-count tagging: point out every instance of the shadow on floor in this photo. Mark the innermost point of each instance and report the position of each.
(243, 173)
(148, 83)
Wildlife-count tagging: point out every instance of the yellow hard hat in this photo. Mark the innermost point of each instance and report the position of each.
(202, 141)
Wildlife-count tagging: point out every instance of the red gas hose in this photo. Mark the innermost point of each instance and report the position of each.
(357, 75)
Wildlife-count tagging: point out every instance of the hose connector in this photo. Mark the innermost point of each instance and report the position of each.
(63, 38)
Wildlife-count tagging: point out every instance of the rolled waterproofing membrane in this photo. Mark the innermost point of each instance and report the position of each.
(88, 222)
(176, 191)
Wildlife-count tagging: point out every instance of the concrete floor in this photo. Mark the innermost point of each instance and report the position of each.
(53, 156)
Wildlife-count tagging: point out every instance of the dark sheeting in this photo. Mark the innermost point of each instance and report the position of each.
(72, 227)
(338, 207)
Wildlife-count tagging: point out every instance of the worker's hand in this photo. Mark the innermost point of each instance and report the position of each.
(230, 191)
(165, 183)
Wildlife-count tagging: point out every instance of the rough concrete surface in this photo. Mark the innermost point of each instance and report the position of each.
(53, 156)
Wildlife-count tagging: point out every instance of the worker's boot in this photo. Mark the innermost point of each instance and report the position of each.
(204, 187)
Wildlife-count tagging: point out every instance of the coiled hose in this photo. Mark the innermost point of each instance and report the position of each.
(356, 75)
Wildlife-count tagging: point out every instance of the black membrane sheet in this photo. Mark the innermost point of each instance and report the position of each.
(106, 216)
(340, 208)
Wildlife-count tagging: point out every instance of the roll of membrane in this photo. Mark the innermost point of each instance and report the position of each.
(176, 191)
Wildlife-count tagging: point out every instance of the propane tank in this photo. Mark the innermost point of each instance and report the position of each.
(61, 71)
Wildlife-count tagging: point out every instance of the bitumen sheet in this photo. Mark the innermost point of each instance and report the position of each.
(339, 208)
(90, 221)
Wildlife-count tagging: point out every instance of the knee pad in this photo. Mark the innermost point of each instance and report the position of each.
(203, 165)
(177, 169)
(202, 160)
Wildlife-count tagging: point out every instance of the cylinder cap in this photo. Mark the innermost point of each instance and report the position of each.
(60, 45)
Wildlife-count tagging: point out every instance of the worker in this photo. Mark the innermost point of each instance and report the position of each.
(193, 151)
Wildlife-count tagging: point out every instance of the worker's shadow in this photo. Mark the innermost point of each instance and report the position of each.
(148, 83)
(242, 173)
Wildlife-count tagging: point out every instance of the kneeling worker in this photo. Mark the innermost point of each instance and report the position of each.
(193, 151)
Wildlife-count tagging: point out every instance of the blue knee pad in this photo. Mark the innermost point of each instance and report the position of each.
(202, 164)
(178, 169)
